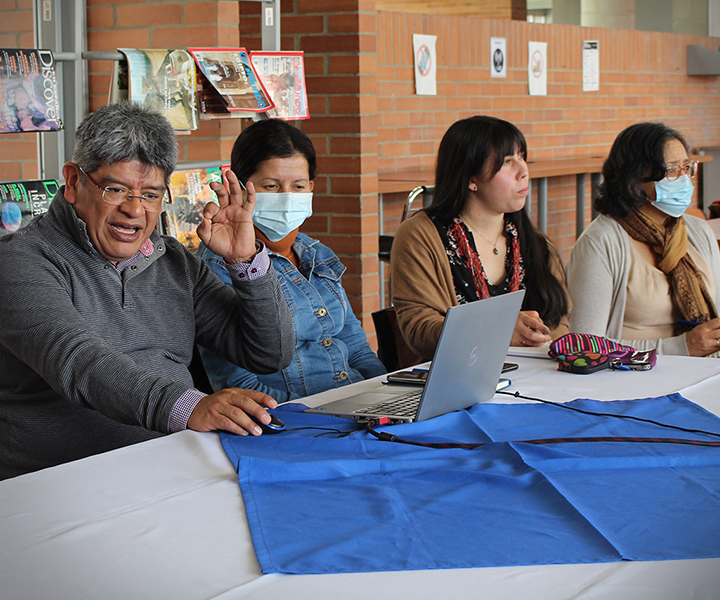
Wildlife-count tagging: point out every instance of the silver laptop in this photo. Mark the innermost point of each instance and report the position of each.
(465, 369)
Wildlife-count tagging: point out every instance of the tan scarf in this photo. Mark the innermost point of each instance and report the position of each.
(687, 288)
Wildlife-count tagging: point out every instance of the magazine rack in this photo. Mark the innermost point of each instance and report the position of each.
(62, 27)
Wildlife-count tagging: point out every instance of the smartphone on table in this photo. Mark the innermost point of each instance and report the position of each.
(419, 376)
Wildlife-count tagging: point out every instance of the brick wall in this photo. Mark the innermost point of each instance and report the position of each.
(19, 152)
(642, 78)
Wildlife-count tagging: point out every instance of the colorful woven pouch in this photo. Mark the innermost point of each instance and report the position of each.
(585, 353)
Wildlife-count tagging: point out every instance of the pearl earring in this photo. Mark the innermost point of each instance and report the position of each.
(474, 188)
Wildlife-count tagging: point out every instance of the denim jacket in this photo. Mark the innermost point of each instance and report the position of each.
(331, 349)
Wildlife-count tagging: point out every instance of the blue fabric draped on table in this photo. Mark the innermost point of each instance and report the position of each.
(319, 504)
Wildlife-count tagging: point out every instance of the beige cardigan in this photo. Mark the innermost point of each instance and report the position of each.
(423, 287)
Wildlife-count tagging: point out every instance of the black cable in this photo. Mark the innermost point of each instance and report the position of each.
(384, 436)
(327, 431)
(602, 414)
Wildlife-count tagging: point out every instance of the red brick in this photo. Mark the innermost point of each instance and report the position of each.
(10, 170)
(185, 37)
(354, 225)
(227, 37)
(346, 185)
(327, 6)
(344, 105)
(344, 23)
(316, 223)
(345, 64)
(20, 20)
(333, 85)
(9, 40)
(228, 12)
(302, 24)
(100, 16)
(201, 12)
(158, 14)
(314, 65)
(332, 125)
(100, 84)
(345, 145)
(202, 150)
(328, 44)
(339, 164)
(119, 38)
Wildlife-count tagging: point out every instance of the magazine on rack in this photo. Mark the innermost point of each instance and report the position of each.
(21, 201)
(28, 91)
(228, 74)
(163, 80)
(283, 75)
(190, 193)
(211, 104)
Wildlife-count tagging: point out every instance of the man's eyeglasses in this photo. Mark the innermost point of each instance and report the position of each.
(690, 169)
(117, 194)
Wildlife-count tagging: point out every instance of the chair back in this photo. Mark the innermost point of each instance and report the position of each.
(714, 210)
(384, 247)
(422, 191)
(393, 352)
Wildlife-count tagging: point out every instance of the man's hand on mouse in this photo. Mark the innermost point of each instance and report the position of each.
(229, 410)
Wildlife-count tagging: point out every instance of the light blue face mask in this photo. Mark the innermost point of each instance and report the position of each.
(674, 197)
(276, 215)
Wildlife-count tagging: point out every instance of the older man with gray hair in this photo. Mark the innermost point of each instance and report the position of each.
(100, 313)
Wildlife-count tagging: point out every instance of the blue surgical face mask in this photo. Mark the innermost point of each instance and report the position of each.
(276, 215)
(673, 197)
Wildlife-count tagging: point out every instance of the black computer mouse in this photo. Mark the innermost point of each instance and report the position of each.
(274, 426)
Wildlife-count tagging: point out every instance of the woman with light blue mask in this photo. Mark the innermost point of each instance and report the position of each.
(275, 161)
(643, 273)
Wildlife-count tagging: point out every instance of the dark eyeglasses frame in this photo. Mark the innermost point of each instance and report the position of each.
(142, 197)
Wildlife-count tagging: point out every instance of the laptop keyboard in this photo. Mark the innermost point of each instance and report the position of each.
(402, 406)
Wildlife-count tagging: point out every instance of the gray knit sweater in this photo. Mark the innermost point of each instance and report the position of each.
(91, 359)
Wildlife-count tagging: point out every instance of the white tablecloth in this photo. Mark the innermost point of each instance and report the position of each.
(165, 519)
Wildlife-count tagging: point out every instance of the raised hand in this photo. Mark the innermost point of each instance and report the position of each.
(227, 227)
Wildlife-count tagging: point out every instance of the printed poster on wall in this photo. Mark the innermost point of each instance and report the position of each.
(425, 64)
(537, 68)
(498, 57)
(591, 66)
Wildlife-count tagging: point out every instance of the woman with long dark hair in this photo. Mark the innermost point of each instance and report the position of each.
(476, 240)
(643, 273)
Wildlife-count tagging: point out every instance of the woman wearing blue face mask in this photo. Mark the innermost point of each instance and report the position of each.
(642, 273)
(276, 163)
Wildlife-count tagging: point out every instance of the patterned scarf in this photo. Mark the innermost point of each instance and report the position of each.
(687, 288)
(457, 234)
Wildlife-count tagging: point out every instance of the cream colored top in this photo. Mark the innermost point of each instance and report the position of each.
(649, 311)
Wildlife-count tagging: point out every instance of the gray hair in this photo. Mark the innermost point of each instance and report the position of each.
(125, 132)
